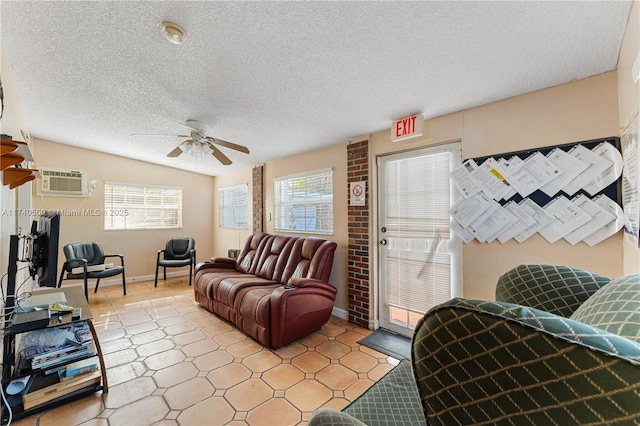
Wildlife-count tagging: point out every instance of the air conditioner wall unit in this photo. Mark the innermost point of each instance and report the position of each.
(62, 182)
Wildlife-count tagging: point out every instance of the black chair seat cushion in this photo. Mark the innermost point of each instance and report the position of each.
(109, 272)
(174, 262)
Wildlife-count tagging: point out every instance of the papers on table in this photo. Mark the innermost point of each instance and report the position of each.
(488, 209)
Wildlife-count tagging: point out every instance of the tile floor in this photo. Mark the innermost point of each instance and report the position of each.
(171, 362)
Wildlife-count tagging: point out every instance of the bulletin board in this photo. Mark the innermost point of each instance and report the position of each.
(571, 191)
(613, 191)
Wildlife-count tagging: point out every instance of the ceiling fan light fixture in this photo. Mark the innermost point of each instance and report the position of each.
(173, 32)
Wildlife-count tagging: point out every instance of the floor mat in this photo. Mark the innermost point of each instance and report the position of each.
(388, 343)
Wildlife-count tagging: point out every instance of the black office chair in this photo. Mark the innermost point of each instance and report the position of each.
(86, 256)
(177, 252)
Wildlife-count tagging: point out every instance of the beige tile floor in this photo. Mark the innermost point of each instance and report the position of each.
(171, 362)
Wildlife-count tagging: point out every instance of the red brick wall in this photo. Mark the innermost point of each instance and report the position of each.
(358, 227)
(258, 198)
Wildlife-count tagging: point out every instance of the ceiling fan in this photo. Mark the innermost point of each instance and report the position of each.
(198, 143)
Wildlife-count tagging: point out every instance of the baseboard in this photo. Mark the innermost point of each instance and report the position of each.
(340, 313)
(117, 280)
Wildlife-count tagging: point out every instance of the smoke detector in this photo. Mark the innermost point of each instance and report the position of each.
(173, 32)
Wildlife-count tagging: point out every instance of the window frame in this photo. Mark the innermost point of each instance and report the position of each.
(305, 202)
(115, 211)
(234, 208)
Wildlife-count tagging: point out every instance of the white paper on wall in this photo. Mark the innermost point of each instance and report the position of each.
(506, 166)
(461, 232)
(488, 227)
(541, 217)
(570, 166)
(597, 165)
(601, 217)
(461, 178)
(524, 222)
(535, 172)
(568, 217)
(612, 227)
(466, 210)
(489, 177)
(610, 175)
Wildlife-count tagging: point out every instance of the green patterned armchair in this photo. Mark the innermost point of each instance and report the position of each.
(558, 346)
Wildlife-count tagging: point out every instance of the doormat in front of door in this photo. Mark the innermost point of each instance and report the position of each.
(388, 343)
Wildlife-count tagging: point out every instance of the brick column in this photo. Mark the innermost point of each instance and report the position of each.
(257, 198)
(358, 227)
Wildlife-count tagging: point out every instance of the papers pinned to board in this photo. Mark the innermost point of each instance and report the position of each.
(560, 195)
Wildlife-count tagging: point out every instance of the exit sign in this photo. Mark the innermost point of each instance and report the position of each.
(407, 128)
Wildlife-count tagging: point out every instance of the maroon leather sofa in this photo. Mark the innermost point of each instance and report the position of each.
(276, 291)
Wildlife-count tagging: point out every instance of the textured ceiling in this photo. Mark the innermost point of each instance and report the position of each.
(285, 77)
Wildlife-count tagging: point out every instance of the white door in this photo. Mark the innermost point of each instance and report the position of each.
(419, 257)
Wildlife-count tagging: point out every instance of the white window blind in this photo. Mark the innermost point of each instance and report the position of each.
(419, 259)
(304, 202)
(135, 206)
(233, 204)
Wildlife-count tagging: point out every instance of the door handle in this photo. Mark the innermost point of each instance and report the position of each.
(383, 242)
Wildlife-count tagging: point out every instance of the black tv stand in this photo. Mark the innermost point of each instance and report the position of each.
(13, 368)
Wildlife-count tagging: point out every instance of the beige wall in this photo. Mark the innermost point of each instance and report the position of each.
(139, 246)
(336, 158)
(225, 238)
(582, 110)
(629, 101)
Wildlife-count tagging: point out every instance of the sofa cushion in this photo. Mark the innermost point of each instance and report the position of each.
(614, 308)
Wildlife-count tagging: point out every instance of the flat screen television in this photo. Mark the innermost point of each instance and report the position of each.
(46, 237)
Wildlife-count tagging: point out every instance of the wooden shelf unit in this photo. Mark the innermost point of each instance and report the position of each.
(12, 154)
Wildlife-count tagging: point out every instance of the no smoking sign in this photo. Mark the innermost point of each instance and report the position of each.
(358, 192)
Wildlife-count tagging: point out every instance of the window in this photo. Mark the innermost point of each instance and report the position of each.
(234, 206)
(134, 206)
(304, 202)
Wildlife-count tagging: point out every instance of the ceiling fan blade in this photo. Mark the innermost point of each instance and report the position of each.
(176, 152)
(155, 134)
(228, 144)
(220, 156)
(193, 124)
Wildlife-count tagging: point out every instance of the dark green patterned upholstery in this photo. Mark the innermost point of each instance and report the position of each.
(393, 400)
(331, 417)
(479, 362)
(614, 308)
(522, 360)
(556, 289)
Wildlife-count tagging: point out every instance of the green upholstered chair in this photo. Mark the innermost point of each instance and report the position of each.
(493, 362)
(480, 362)
(556, 289)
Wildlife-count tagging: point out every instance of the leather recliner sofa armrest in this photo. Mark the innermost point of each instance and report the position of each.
(310, 282)
(217, 263)
(299, 309)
